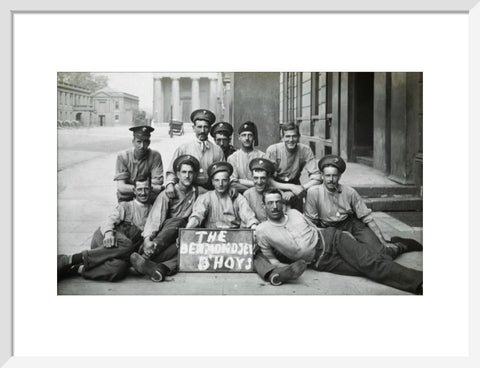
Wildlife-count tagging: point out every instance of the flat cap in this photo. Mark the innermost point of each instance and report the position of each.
(262, 164)
(203, 114)
(219, 166)
(142, 131)
(221, 127)
(186, 159)
(333, 160)
(249, 126)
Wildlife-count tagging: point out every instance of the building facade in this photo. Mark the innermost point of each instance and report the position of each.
(114, 108)
(74, 103)
(176, 95)
(374, 119)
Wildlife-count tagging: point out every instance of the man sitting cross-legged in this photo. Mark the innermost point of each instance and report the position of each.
(158, 255)
(113, 242)
(287, 237)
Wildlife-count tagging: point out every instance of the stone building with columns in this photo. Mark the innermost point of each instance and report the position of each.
(176, 95)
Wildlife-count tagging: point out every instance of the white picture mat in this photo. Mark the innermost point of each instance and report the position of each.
(327, 326)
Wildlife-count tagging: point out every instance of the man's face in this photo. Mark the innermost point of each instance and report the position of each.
(246, 139)
(185, 175)
(221, 181)
(290, 138)
(331, 176)
(142, 191)
(201, 129)
(140, 146)
(260, 178)
(222, 140)
(274, 206)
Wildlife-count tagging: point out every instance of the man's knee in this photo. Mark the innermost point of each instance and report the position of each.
(124, 245)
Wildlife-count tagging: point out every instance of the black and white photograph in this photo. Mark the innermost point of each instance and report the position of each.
(240, 183)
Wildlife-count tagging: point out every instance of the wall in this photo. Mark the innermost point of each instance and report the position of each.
(256, 98)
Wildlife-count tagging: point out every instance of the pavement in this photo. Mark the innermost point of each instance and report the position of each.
(86, 195)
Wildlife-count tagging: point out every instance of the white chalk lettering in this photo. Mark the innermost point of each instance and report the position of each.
(211, 236)
(239, 262)
(229, 262)
(234, 248)
(192, 248)
(218, 262)
(221, 236)
(201, 235)
(203, 263)
(183, 248)
(248, 264)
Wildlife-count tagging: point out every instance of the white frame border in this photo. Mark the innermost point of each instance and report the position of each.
(6, 283)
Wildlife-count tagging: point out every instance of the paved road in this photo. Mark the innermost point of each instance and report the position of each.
(86, 195)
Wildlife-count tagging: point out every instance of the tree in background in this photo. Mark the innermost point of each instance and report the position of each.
(90, 81)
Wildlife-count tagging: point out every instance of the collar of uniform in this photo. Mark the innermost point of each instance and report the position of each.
(207, 143)
(140, 204)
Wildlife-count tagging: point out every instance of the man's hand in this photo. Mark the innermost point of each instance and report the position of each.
(287, 196)
(109, 240)
(170, 190)
(233, 193)
(297, 190)
(148, 247)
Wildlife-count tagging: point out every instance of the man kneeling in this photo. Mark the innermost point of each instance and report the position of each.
(288, 237)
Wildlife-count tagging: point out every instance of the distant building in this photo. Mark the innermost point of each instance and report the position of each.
(74, 103)
(176, 95)
(114, 108)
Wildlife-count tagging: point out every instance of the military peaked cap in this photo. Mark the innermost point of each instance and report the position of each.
(186, 159)
(333, 160)
(202, 114)
(249, 126)
(219, 166)
(262, 164)
(142, 131)
(221, 127)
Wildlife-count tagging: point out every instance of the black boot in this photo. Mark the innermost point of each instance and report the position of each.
(407, 245)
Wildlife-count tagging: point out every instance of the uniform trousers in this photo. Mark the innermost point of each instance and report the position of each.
(111, 264)
(167, 251)
(343, 254)
(360, 231)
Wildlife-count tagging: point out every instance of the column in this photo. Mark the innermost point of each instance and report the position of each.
(176, 99)
(212, 102)
(157, 100)
(195, 93)
(381, 121)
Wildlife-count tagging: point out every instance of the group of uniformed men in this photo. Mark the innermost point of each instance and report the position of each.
(320, 224)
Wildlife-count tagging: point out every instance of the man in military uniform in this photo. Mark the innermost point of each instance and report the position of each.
(248, 137)
(291, 158)
(113, 242)
(136, 162)
(288, 236)
(203, 150)
(221, 133)
(158, 256)
(340, 206)
(216, 209)
(262, 170)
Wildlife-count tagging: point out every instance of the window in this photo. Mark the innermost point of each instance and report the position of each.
(116, 105)
(116, 117)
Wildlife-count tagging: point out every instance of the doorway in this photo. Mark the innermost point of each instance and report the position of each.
(362, 150)
(102, 120)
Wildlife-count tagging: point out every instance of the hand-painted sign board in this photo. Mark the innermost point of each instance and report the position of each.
(216, 250)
